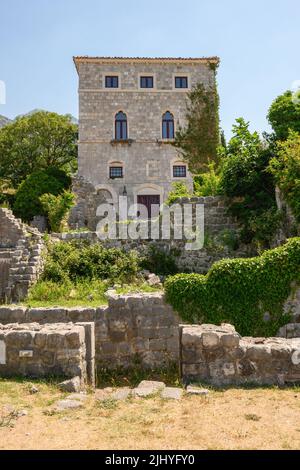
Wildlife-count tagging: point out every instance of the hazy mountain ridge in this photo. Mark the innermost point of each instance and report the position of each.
(4, 121)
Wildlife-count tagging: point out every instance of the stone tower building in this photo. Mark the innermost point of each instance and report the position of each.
(129, 110)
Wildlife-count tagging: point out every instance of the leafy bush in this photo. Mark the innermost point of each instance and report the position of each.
(239, 291)
(81, 260)
(159, 262)
(56, 208)
(208, 184)
(178, 190)
(27, 203)
(286, 170)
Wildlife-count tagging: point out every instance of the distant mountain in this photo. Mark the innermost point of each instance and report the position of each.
(3, 121)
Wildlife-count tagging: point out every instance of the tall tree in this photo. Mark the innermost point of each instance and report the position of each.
(198, 141)
(284, 115)
(36, 142)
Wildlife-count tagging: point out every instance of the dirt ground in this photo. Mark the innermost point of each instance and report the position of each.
(261, 418)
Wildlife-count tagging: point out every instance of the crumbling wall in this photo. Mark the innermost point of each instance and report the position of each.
(43, 350)
(20, 257)
(220, 356)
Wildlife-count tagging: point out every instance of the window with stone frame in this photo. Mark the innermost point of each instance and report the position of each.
(121, 132)
(146, 82)
(179, 171)
(168, 126)
(111, 81)
(181, 82)
(115, 172)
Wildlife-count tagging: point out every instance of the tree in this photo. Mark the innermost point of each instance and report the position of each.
(198, 141)
(284, 115)
(286, 170)
(27, 203)
(36, 142)
(245, 179)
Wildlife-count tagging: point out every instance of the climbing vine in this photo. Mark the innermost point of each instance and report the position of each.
(240, 291)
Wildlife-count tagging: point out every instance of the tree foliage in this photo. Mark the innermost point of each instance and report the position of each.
(245, 179)
(284, 115)
(27, 203)
(197, 142)
(286, 170)
(35, 142)
(57, 208)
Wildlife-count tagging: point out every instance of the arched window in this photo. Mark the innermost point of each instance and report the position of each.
(121, 126)
(168, 126)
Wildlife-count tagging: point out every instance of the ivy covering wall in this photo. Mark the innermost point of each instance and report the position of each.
(240, 291)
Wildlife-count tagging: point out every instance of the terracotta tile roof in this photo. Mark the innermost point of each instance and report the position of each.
(81, 59)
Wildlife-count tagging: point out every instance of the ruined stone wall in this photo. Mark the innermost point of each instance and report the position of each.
(142, 329)
(20, 257)
(45, 350)
(133, 326)
(220, 356)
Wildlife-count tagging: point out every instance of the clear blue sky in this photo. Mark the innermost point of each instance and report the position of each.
(257, 41)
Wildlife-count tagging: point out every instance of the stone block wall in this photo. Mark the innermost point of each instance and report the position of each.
(45, 350)
(219, 356)
(20, 257)
(132, 326)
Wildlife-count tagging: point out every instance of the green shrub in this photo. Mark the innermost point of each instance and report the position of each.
(239, 291)
(208, 184)
(56, 208)
(81, 260)
(178, 190)
(286, 170)
(27, 203)
(159, 262)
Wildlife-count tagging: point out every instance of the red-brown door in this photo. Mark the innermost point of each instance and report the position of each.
(149, 201)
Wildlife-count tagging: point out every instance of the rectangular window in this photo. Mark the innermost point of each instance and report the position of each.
(146, 82)
(111, 81)
(116, 172)
(179, 171)
(181, 82)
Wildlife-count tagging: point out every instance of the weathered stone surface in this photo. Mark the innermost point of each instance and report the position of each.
(194, 390)
(21, 262)
(147, 388)
(67, 404)
(172, 393)
(217, 355)
(121, 394)
(71, 385)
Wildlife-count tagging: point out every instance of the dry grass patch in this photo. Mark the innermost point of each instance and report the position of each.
(232, 419)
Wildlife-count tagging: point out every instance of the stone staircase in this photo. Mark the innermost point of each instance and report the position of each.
(20, 256)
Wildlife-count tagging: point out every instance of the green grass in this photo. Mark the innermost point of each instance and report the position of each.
(83, 293)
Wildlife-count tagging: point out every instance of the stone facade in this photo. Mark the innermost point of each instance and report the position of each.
(146, 157)
(219, 356)
(36, 350)
(20, 257)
